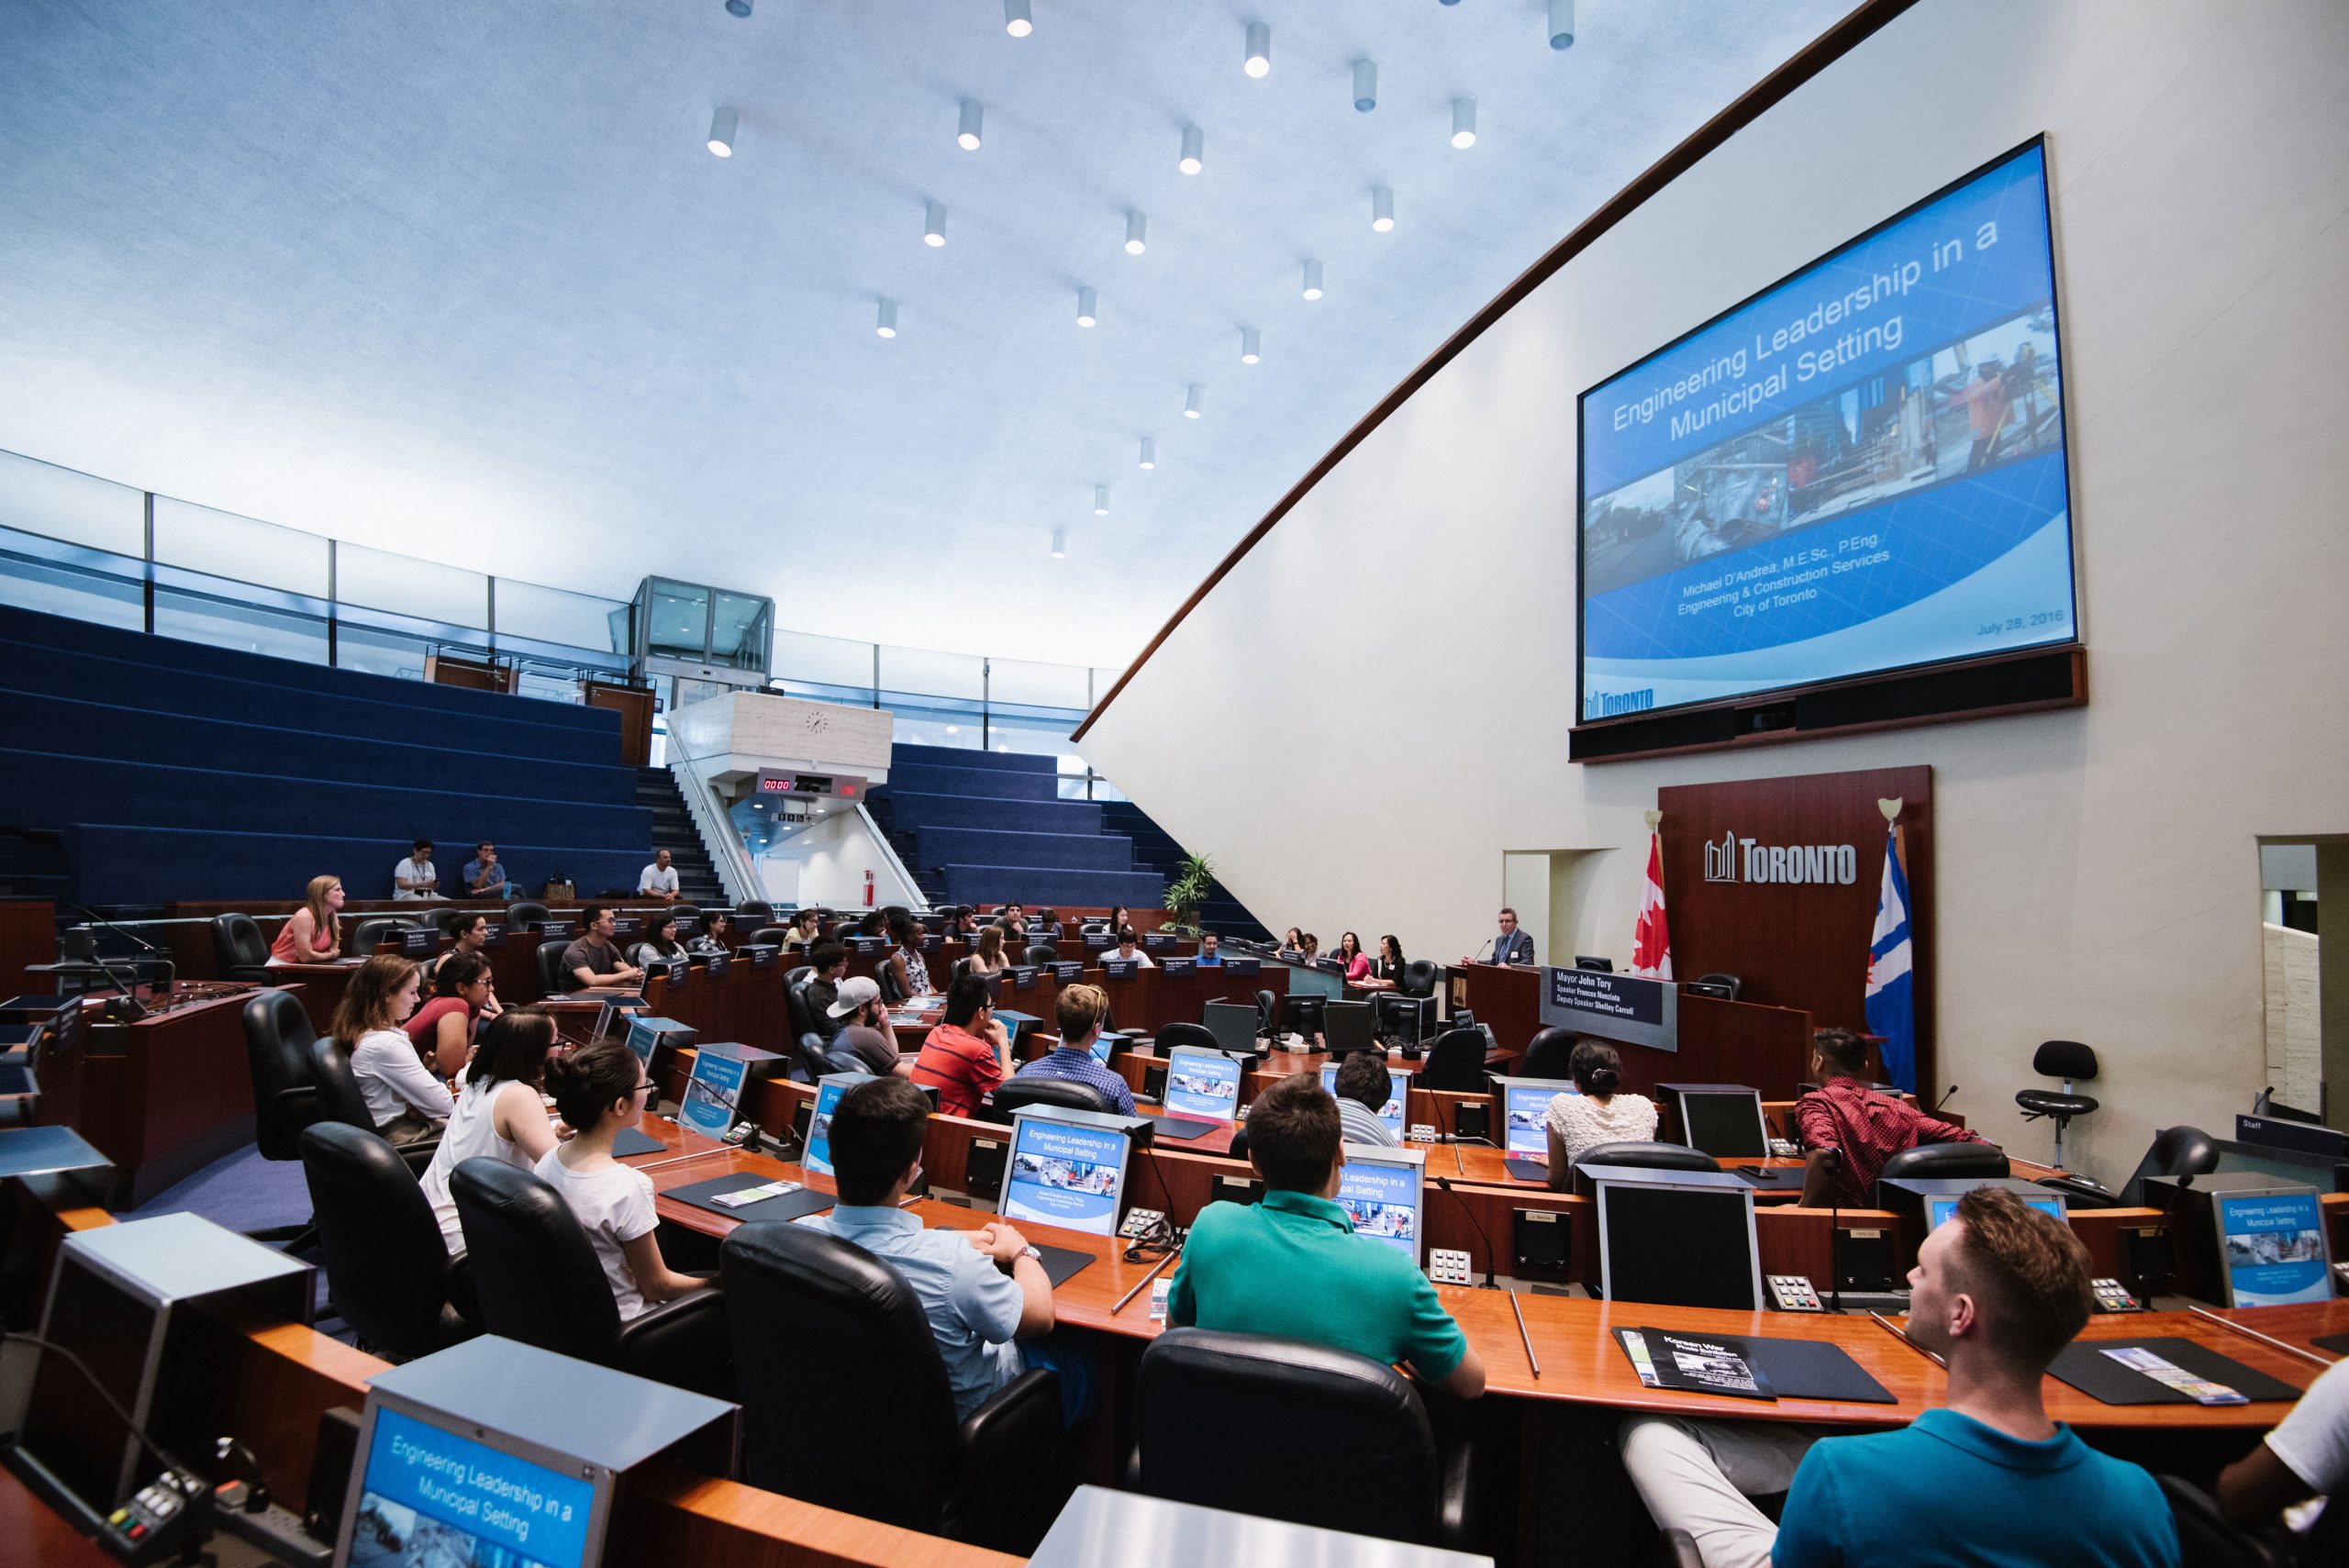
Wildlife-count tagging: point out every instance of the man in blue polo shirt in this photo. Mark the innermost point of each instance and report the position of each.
(1079, 1011)
(1987, 1480)
(1292, 1264)
(1209, 955)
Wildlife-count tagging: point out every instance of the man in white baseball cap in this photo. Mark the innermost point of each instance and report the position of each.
(865, 1027)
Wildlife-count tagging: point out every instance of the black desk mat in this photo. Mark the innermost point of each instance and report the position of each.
(787, 1206)
(2337, 1343)
(1527, 1170)
(1183, 1129)
(1814, 1368)
(1061, 1264)
(628, 1141)
(1773, 1178)
(2083, 1365)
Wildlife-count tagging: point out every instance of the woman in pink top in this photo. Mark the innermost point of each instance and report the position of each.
(1350, 953)
(310, 936)
(443, 1027)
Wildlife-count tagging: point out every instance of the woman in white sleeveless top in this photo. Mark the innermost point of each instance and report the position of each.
(499, 1115)
(1598, 1114)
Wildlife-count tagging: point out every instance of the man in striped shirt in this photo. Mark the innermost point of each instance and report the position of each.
(1080, 1011)
(1364, 1087)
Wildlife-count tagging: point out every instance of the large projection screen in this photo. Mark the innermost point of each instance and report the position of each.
(1860, 469)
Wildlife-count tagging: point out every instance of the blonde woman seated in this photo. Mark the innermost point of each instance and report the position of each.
(1599, 1114)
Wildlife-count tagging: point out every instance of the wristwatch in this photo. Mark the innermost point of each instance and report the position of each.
(1030, 1251)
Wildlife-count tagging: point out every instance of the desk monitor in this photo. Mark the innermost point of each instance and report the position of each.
(714, 1095)
(1202, 1084)
(1347, 1026)
(1013, 1025)
(1398, 1084)
(1940, 1207)
(1724, 1123)
(1525, 1113)
(818, 1155)
(1104, 1044)
(1379, 1188)
(1600, 965)
(1233, 1024)
(427, 1494)
(1684, 1239)
(1065, 1171)
(2272, 1247)
(2325, 1173)
(647, 1035)
(1302, 1015)
(1408, 1020)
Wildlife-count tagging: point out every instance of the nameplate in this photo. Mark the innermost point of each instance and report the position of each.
(718, 963)
(1176, 966)
(1158, 940)
(419, 944)
(866, 944)
(494, 932)
(1120, 968)
(688, 925)
(1098, 940)
(1242, 965)
(933, 942)
(674, 972)
(558, 930)
(761, 955)
(1023, 977)
(626, 925)
(1068, 972)
(1626, 1007)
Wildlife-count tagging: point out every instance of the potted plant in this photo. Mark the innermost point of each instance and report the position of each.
(1194, 879)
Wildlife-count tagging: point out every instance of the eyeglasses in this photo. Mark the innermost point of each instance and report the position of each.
(645, 1087)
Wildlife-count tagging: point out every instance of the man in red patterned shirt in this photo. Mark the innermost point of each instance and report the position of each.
(963, 1058)
(1848, 1119)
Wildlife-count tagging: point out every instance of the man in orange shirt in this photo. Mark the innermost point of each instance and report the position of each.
(1985, 402)
(963, 1058)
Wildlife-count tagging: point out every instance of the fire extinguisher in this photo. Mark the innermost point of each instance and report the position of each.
(868, 890)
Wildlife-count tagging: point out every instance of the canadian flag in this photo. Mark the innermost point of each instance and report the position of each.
(1652, 939)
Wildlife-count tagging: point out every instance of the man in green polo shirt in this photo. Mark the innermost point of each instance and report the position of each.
(1292, 1264)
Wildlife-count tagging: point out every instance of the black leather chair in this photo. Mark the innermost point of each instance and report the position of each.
(1731, 983)
(1930, 1161)
(387, 1263)
(2204, 1539)
(554, 979)
(1547, 1053)
(815, 1056)
(338, 1099)
(1024, 1094)
(2175, 1152)
(1359, 1419)
(527, 915)
(238, 949)
(1678, 1548)
(839, 1058)
(278, 1037)
(962, 966)
(772, 936)
(1042, 952)
(1419, 977)
(753, 912)
(1455, 1062)
(823, 1326)
(447, 922)
(539, 1282)
(2071, 1061)
(376, 930)
(685, 912)
(1641, 1156)
(1183, 1034)
(1268, 1014)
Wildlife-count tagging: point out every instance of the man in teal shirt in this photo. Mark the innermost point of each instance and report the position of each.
(1292, 1264)
(1987, 1482)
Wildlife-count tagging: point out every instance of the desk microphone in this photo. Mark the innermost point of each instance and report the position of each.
(133, 1007)
(1943, 1100)
(1445, 1183)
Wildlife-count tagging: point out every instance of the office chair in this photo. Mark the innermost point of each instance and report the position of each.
(823, 1325)
(527, 915)
(1361, 1419)
(338, 1099)
(772, 936)
(2067, 1060)
(1455, 1062)
(891, 991)
(839, 1058)
(286, 1100)
(961, 967)
(1644, 1156)
(375, 930)
(1419, 977)
(1268, 1015)
(753, 912)
(815, 1056)
(1729, 984)
(238, 949)
(539, 1282)
(1547, 1053)
(1042, 952)
(387, 1265)
(1194, 1035)
(554, 979)
(2175, 1152)
(1678, 1548)
(1027, 1093)
(2204, 1539)
(1934, 1160)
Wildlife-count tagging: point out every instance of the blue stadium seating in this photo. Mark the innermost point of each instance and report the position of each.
(984, 827)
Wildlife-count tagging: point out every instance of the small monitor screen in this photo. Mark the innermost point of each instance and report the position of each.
(1202, 1084)
(714, 1094)
(1103, 1044)
(1526, 1113)
(1347, 1026)
(1678, 1245)
(1233, 1024)
(1398, 1084)
(1940, 1206)
(431, 1496)
(2274, 1248)
(1725, 1123)
(818, 1157)
(1379, 1189)
(1302, 1015)
(1065, 1173)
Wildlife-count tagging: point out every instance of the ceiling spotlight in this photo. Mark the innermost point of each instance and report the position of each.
(1060, 543)
(1366, 85)
(933, 223)
(1194, 145)
(1016, 19)
(1562, 24)
(1137, 233)
(738, 8)
(1149, 452)
(967, 137)
(1250, 346)
(721, 132)
(1259, 49)
(1312, 280)
(1100, 500)
(1463, 122)
(1191, 403)
(1085, 315)
(887, 327)
(1382, 210)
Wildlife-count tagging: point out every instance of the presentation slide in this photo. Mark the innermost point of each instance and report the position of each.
(1398, 1084)
(715, 1089)
(2275, 1248)
(1383, 1201)
(1202, 1084)
(1527, 1114)
(1938, 1210)
(818, 1155)
(432, 1496)
(1860, 469)
(1066, 1175)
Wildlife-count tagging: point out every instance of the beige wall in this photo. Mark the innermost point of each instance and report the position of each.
(2097, 872)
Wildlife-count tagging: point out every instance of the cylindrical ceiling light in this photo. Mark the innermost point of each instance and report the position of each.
(1562, 24)
(1382, 209)
(967, 136)
(1194, 143)
(1100, 500)
(1060, 543)
(721, 132)
(933, 222)
(1366, 85)
(1137, 233)
(1259, 58)
(1016, 19)
(1251, 346)
(1191, 403)
(1148, 452)
(738, 8)
(1085, 315)
(887, 327)
(1463, 122)
(1312, 279)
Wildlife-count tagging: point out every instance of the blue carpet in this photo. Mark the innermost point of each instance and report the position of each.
(239, 1190)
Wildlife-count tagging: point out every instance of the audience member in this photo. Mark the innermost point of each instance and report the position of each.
(600, 1090)
(1350, 954)
(829, 966)
(442, 1030)
(988, 957)
(1293, 941)
(1309, 948)
(1127, 950)
(595, 959)
(1364, 1086)
(905, 960)
(1080, 1010)
(861, 1020)
(1016, 917)
(1119, 918)
(498, 1115)
(1388, 964)
(1292, 1265)
(715, 926)
(1997, 1291)
(468, 931)
(660, 944)
(985, 1292)
(310, 934)
(407, 1101)
(2307, 1456)
(485, 878)
(413, 877)
(806, 925)
(658, 880)
(963, 1058)
(1596, 1112)
(1211, 953)
(1843, 1116)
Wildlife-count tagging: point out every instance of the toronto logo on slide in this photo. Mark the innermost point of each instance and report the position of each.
(1743, 860)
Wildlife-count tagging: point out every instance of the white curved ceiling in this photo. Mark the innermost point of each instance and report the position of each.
(463, 280)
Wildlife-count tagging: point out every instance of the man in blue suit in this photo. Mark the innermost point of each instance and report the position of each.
(1512, 946)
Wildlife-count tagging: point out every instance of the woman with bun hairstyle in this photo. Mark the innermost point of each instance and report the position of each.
(499, 1115)
(599, 1090)
(1594, 1113)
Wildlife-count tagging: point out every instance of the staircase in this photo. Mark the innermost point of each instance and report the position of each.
(1156, 848)
(984, 827)
(674, 830)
